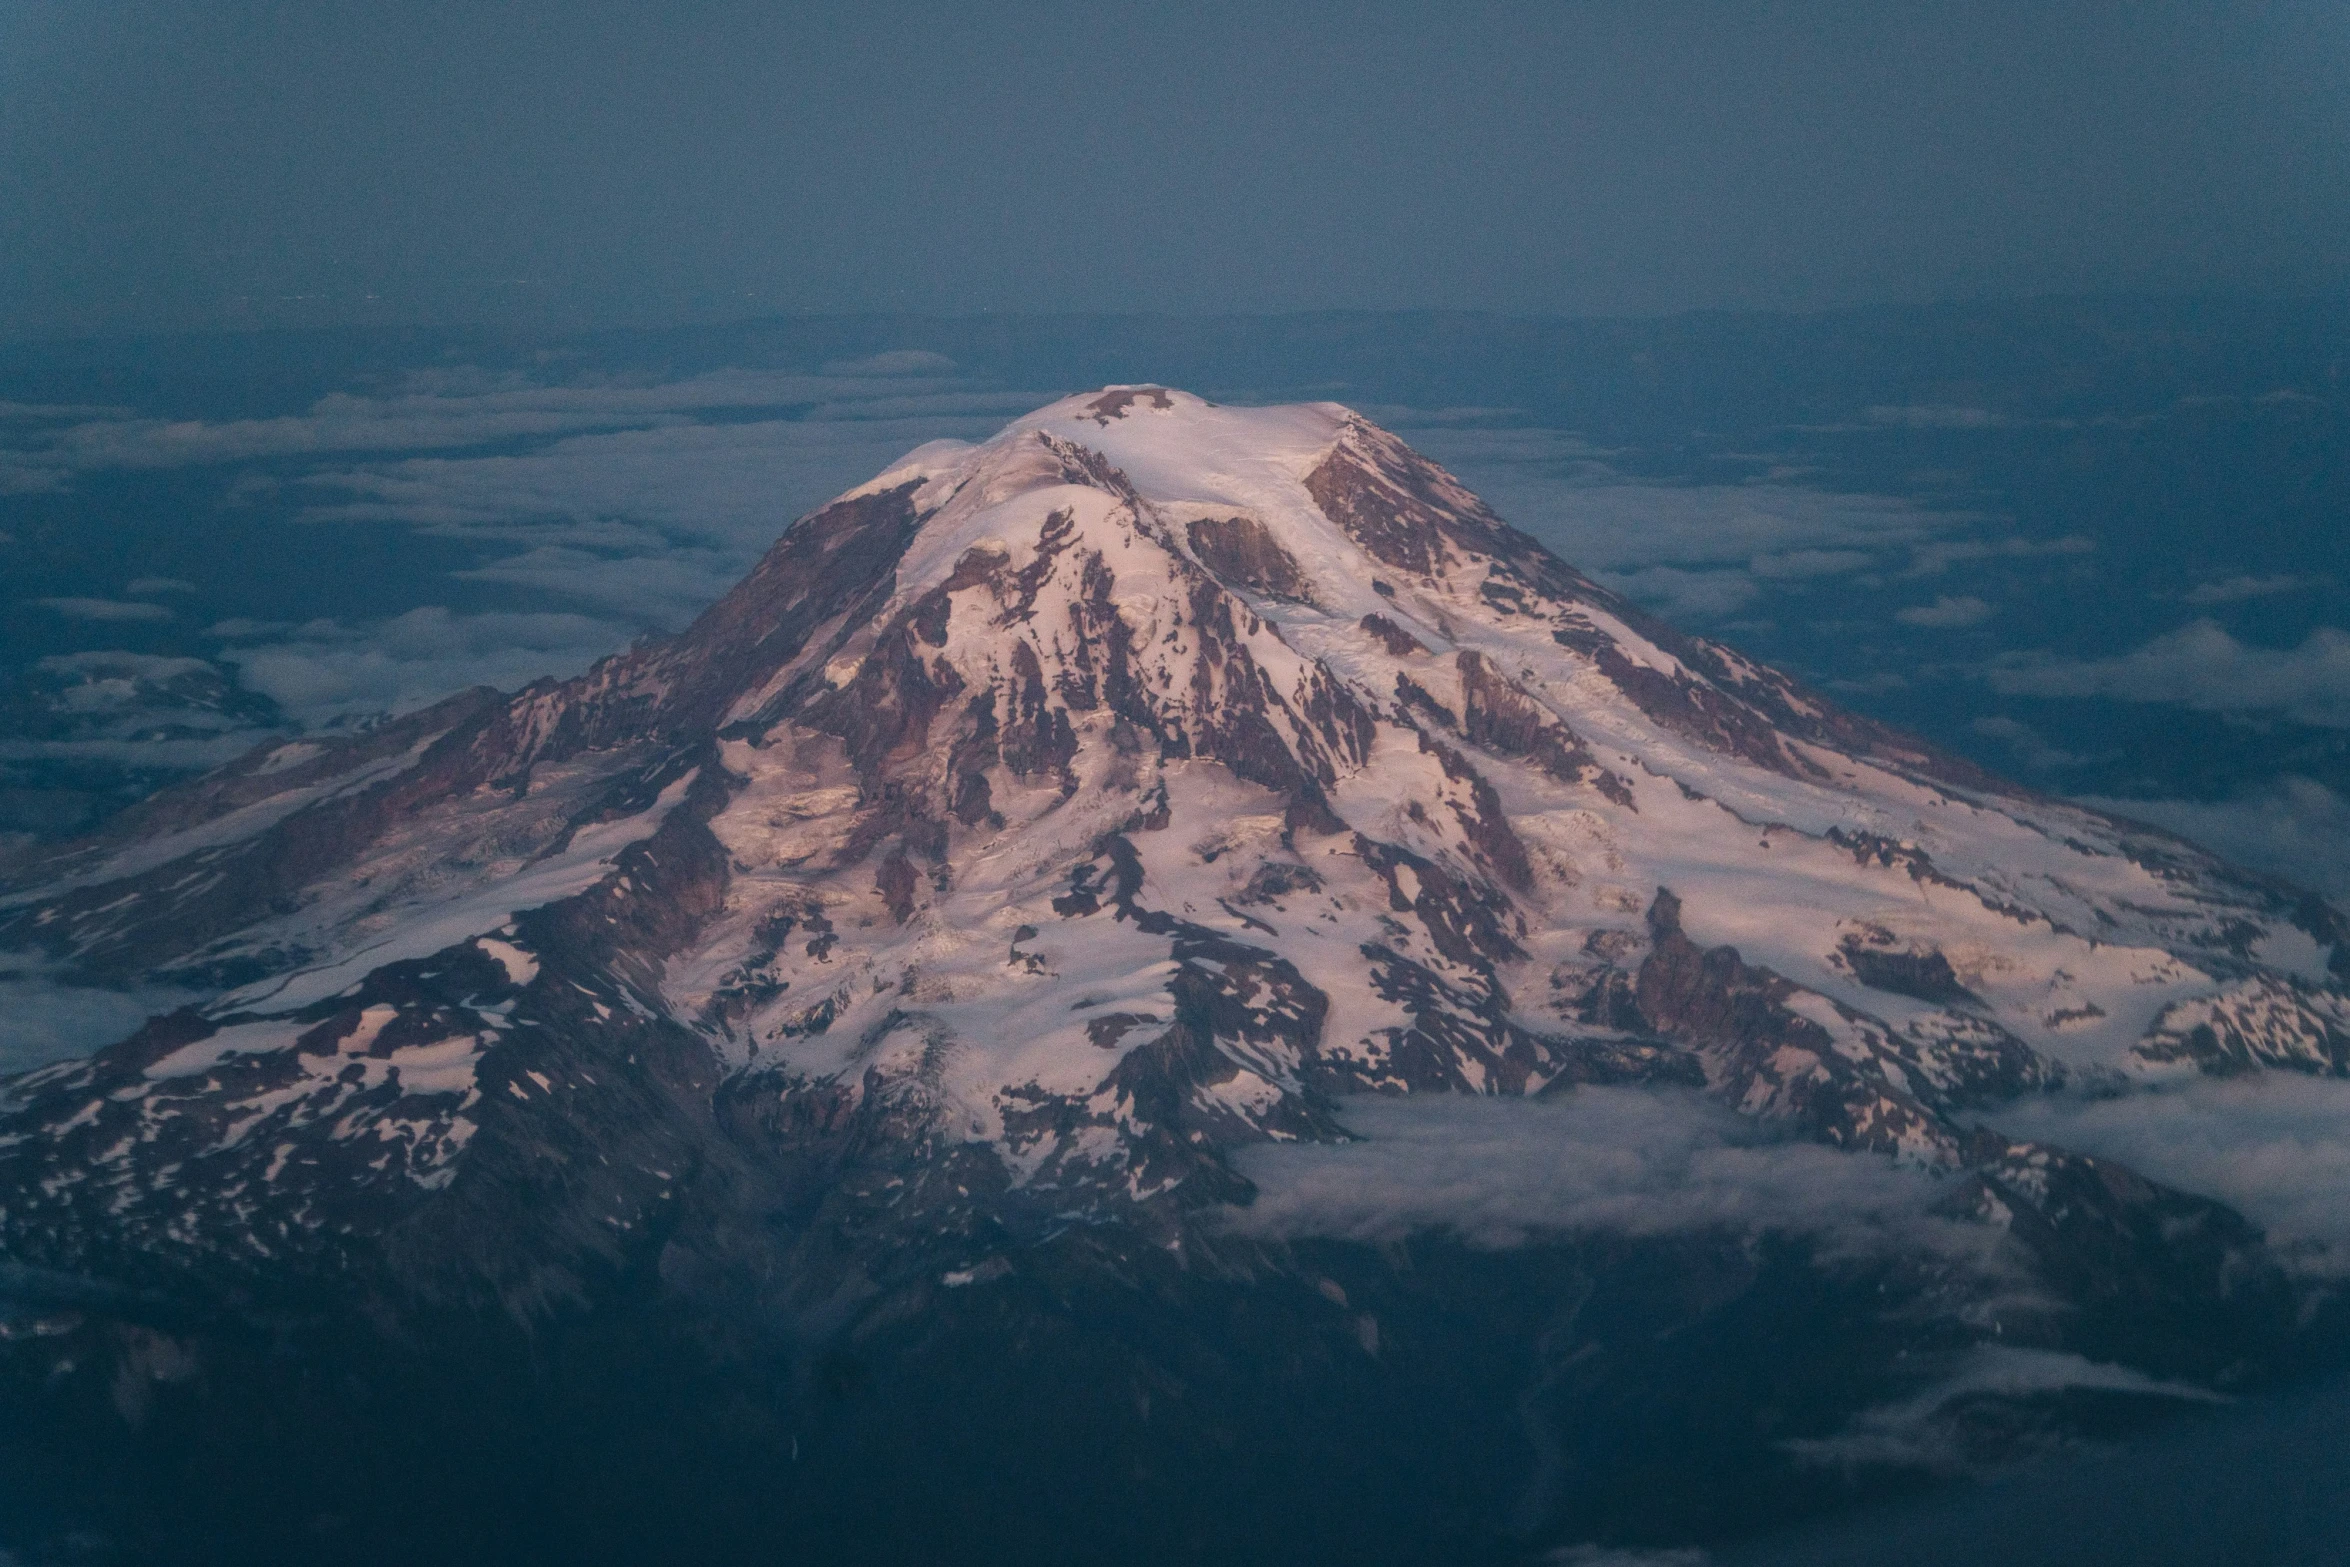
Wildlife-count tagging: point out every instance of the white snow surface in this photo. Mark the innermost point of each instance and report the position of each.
(984, 1000)
(2058, 937)
(466, 910)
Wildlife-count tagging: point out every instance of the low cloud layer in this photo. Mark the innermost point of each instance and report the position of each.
(1779, 530)
(1915, 1432)
(41, 1022)
(2275, 1147)
(2235, 590)
(104, 609)
(648, 524)
(1703, 554)
(598, 510)
(2264, 1482)
(459, 408)
(1498, 1172)
(2296, 828)
(1934, 558)
(137, 717)
(1946, 613)
(1687, 597)
(2201, 666)
(2029, 746)
(324, 671)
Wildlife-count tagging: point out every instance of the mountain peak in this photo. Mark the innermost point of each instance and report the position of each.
(1236, 751)
(1038, 826)
(1147, 677)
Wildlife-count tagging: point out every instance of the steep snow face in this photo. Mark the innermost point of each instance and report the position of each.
(1241, 754)
(1133, 785)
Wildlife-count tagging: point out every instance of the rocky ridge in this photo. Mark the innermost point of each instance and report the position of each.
(1039, 824)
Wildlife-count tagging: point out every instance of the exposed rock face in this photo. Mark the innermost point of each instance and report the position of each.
(915, 939)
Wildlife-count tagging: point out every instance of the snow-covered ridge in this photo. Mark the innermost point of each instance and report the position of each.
(1092, 908)
(1141, 781)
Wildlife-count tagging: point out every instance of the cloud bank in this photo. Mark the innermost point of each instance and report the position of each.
(41, 1022)
(1499, 1172)
(459, 408)
(2274, 1146)
(1947, 613)
(601, 509)
(326, 670)
(1703, 553)
(2200, 666)
(2296, 828)
(2235, 590)
(104, 609)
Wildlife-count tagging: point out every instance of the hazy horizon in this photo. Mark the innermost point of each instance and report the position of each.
(246, 165)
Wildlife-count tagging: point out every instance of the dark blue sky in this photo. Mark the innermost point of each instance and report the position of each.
(242, 162)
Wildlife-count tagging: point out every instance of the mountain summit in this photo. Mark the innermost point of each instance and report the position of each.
(914, 949)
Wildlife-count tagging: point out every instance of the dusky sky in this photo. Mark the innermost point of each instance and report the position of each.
(249, 163)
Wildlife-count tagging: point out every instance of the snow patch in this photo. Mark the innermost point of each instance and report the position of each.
(521, 968)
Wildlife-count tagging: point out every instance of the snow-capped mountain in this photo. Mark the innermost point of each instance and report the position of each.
(1039, 826)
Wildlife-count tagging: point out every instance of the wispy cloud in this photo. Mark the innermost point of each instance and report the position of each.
(897, 361)
(1498, 1172)
(104, 609)
(2274, 1146)
(1798, 564)
(57, 413)
(2294, 828)
(1704, 552)
(462, 409)
(1506, 422)
(2031, 748)
(2234, 590)
(1625, 526)
(104, 663)
(1684, 595)
(657, 590)
(1947, 613)
(649, 525)
(30, 479)
(2200, 666)
(636, 488)
(1934, 558)
(145, 753)
(1918, 1431)
(1936, 416)
(327, 670)
(41, 1021)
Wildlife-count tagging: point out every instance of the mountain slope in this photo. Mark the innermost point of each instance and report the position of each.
(1047, 821)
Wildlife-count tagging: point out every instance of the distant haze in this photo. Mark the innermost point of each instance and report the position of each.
(242, 163)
